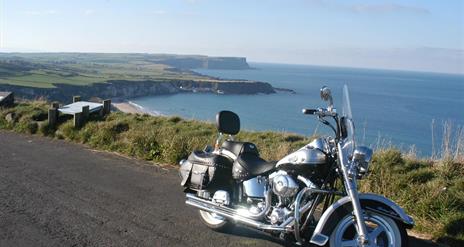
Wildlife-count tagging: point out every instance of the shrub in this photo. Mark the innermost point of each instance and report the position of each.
(45, 129)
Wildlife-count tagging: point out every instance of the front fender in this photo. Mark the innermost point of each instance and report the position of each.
(369, 202)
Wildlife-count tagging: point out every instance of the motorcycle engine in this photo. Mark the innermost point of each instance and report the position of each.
(283, 185)
(279, 214)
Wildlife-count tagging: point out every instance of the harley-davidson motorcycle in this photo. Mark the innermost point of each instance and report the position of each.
(309, 196)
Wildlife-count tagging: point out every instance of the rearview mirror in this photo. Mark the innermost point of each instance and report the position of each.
(326, 95)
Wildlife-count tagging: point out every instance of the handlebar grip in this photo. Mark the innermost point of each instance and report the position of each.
(309, 111)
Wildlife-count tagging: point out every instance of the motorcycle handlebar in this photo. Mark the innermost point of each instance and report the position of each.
(309, 111)
(319, 112)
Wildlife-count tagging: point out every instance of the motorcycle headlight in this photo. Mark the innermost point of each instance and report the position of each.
(362, 157)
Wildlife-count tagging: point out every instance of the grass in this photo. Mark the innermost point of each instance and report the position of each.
(83, 74)
(45, 70)
(431, 190)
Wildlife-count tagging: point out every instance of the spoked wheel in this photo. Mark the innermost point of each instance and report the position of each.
(214, 221)
(382, 232)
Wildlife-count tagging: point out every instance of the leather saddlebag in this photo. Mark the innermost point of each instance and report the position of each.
(204, 170)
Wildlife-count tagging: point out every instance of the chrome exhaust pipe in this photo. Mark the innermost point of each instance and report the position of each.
(231, 214)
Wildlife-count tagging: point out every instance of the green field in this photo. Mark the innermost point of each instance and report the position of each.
(45, 70)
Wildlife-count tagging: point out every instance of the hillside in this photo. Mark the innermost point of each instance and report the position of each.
(430, 190)
(58, 76)
(43, 70)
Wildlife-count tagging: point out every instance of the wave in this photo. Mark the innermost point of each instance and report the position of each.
(143, 109)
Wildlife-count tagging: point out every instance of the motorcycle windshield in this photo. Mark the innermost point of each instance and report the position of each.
(349, 141)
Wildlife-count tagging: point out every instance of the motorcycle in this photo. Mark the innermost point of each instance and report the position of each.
(309, 196)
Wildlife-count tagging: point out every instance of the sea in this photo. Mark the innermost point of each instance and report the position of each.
(408, 110)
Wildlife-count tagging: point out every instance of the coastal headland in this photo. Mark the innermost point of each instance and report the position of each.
(59, 76)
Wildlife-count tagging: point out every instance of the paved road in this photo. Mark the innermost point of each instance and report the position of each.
(54, 193)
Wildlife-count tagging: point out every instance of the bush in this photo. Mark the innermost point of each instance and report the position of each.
(45, 129)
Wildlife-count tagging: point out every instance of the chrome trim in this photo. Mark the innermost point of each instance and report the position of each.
(304, 155)
(319, 239)
(203, 194)
(362, 154)
(326, 95)
(297, 215)
(352, 190)
(405, 218)
(231, 213)
(254, 188)
(301, 210)
(361, 157)
(239, 212)
(221, 197)
(307, 182)
(227, 153)
(284, 186)
(319, 143)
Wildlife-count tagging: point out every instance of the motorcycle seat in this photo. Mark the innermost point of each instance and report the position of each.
(250, 165)
(238, 148)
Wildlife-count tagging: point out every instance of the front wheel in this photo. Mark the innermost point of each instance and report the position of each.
(214, 221)
(382, 231)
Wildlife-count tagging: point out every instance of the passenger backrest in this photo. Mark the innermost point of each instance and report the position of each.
(228, 122)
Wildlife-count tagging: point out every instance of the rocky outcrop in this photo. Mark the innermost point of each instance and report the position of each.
(284, 90)
(132, 89)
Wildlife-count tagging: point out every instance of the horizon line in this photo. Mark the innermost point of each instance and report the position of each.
(461, 73)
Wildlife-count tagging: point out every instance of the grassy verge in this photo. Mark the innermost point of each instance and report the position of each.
(432, 191)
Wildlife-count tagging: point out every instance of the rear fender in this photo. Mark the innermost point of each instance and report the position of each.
(369, 202)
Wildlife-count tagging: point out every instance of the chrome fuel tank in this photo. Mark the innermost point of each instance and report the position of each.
(310, 159)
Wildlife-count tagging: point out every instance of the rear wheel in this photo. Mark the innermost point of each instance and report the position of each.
(382, 231)
(214, 221)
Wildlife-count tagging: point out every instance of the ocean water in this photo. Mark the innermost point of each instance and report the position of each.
(389, 107)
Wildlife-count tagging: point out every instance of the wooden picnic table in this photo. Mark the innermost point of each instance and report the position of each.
(76, 107)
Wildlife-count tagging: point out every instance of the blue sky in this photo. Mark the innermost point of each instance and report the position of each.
(425, 35)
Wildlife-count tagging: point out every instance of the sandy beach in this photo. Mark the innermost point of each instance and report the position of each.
(127, 107)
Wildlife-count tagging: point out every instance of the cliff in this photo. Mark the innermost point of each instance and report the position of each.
(204, 62)
(131, 89)
(227, 63)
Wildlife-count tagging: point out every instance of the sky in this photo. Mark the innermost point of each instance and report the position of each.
(423, 35)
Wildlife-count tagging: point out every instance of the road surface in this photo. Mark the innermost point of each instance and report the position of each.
(55, 193)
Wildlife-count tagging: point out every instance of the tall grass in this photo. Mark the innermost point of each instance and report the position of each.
(431, 189)
(452, 145)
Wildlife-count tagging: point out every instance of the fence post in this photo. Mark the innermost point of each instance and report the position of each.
(78, 119)
(106, 107)
(52, 117)
(55, 105)
(85, 112)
